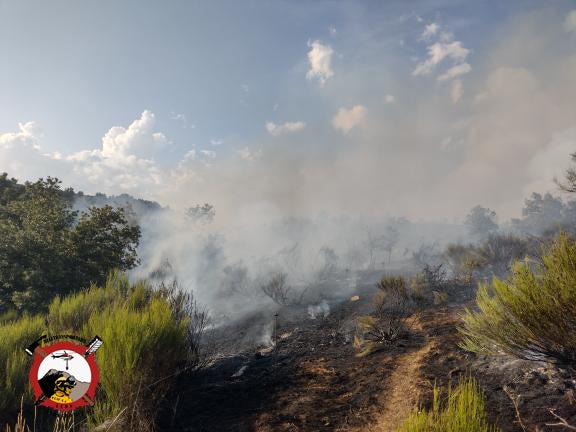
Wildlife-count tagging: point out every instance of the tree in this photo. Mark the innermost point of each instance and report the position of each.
(481, 221)
(570, 181)
(104, 240)
(389, 240)
(542, 213)
(46, 249)
(202, 214)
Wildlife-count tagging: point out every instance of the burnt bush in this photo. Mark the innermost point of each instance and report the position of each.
(277, 288)
(393, 305)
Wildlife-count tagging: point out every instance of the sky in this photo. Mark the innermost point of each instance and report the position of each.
(292, 108)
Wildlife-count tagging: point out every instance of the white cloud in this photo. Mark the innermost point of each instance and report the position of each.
(288, 127)
(347, 119)
(125, 159)
(570, 22)
(120, 143)
(195, 158)
(438, 52)
(27, 135)
(332, 31)
(455, 71)
(430, 30)
(181, 118)
(457, 91)
(390, 99)
(248, 154)
(320, 60)
(121, 163)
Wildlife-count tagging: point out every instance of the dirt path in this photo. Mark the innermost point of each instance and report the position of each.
(404, 390)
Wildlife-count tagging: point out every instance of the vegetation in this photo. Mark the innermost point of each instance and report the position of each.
(151, 336)
(531, 315)
(462, 411)
(545, 215)
(277, 288)
(481, 221)
(48, 249)
(393, 306)
(495, 255)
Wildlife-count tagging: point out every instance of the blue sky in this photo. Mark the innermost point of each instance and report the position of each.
(311, 98)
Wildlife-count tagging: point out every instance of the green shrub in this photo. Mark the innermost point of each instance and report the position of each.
(14, 363)
(531, 315)
(143, 350)
(146, 333)
(462, 411)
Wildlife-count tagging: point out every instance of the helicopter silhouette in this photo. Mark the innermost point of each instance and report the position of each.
(64, 356)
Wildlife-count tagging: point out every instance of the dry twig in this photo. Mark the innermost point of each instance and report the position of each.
(562, 423)
(515, 400)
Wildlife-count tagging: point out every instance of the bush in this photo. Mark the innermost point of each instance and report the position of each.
(16, 335)
(277, 289)
(388, 323)
(440, 297)
(150, 336)
(532, 315)
(426, 282)
(462, 411)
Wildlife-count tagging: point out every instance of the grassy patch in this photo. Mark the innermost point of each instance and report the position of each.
(462, 410)
(146, 335)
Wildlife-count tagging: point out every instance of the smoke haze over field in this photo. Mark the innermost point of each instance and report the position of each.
(424, 117)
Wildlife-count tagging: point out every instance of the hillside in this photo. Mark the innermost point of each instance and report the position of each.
(312, 379)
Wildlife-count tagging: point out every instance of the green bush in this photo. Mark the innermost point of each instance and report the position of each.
(462, 411)
(15, 364)
(146, 333)
(531, 315)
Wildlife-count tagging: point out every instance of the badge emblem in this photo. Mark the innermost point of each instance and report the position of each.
(64, 374)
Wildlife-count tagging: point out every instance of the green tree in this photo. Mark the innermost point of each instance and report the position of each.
(103, 240)
(481, 221)
(47, 249)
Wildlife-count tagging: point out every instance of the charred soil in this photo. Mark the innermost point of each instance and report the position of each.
(312, 380)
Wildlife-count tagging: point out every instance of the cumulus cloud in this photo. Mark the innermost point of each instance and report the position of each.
(430, 30)
(125, 158)
(286, 128)
(320, 62)
(455, 71)
(438, 52)
(248, 154)
(347, 119)
(123, 161)
(570, 22)
(21, 154)
(445, 49)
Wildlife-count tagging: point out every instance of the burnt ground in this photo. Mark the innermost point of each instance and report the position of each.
(313, 381)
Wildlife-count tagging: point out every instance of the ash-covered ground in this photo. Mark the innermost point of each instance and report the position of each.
(307, 376)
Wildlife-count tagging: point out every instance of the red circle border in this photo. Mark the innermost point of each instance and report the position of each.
(61, 346)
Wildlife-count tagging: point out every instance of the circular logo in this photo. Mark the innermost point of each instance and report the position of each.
(64, 375)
